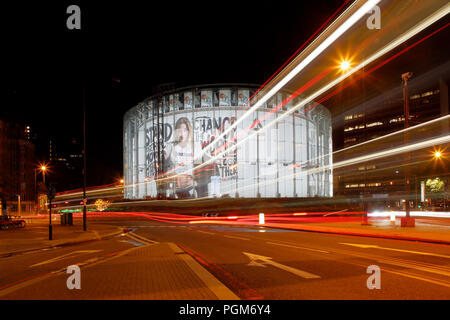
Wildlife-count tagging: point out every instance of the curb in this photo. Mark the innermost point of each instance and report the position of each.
(62, 244)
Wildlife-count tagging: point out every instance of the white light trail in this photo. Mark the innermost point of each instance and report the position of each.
(435, 214)
(356, 160)
(313, 55)
(392, 45)
(336, 34)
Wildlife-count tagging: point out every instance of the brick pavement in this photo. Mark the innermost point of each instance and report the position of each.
(35, 235)
(151, 272)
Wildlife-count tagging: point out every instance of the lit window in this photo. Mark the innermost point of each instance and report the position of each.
(350, 140)
(374, 184)
(399, 119)
(352, 185)
(426, 94)
(373, 124)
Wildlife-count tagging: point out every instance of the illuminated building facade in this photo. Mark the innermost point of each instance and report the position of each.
(17, 156)
(383, 180)
(172, 147)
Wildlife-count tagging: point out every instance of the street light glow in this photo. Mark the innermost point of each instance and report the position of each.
(437, 154)
(345, 65)
(42, 167)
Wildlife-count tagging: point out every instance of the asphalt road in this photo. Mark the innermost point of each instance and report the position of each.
(337, 264)
(264, 263)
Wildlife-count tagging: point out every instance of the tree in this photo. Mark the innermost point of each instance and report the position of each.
(435, 185)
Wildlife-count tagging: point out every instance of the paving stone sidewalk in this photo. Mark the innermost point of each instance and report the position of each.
(36, 235)
(152, 272)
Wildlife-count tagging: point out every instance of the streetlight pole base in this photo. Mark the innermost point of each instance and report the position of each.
(49, 232)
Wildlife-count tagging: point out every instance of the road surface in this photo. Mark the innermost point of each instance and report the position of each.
(261, 263)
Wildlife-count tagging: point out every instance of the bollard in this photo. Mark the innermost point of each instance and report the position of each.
(392, 218)
(261, 218)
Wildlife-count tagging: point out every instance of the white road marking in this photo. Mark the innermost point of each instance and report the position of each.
(140, 238)
(88, 263)
(234, 237)
(64, 256)
(373, 246)
(406, 264)
(297, 247)
(254, 258)
(204, 231)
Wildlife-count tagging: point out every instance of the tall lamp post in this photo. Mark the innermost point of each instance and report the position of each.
(43, 169)
(407, 222)
(437, 156)
(84, 159)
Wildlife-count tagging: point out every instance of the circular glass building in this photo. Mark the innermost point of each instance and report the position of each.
(184, 144)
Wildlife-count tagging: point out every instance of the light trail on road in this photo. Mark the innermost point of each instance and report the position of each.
(437, 15)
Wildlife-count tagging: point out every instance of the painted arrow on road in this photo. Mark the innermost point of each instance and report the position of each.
(374, 246)
(262, 261)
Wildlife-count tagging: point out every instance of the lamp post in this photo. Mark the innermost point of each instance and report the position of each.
(84, 159)
(43, 168)
(405, 77)
(437, 155)
(35, 189)
(51, 196)
(19, 206)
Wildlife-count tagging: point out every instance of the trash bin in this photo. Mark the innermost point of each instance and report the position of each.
(64, 219)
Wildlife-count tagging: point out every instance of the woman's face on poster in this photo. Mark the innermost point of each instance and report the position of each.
(182, 134)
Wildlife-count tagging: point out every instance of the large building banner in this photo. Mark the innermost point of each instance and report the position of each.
(193, 145)
(190, 166)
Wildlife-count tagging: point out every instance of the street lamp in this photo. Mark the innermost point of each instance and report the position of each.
(43, 168)
(438, 155)
(345, 65)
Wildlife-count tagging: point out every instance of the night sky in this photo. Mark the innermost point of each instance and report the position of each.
(183, 43)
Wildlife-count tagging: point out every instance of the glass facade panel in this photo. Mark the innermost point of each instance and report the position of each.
(180, 152)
